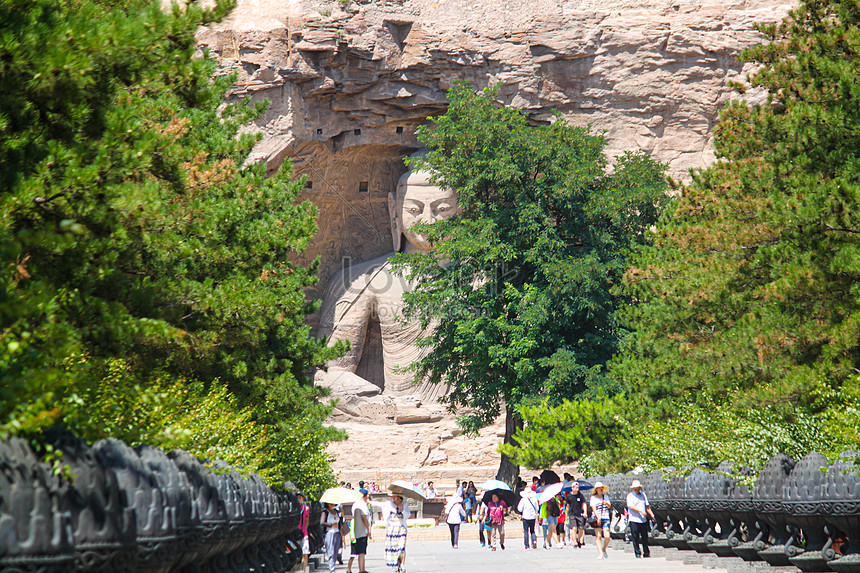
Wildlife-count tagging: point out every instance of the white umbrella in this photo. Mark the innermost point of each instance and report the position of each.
(406, 489)
(550, 492)
(340, 495)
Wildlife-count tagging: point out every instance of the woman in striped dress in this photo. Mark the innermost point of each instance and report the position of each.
(395, 514)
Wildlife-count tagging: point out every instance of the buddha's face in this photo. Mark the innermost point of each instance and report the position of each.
(419, 201)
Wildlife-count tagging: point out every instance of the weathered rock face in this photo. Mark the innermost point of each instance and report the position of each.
(350, 81)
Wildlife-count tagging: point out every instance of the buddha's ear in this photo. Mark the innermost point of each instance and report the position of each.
(394, 217)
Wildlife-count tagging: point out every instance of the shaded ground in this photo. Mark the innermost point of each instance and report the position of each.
(436, 556)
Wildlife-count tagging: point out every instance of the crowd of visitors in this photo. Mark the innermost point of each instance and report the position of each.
(561, 508)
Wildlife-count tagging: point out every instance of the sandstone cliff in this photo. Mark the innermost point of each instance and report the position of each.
(350, 80)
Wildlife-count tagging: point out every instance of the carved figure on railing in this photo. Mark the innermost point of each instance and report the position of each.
(364, 303)
(805, 512)
(675, 494)
(840, 493)
(696, 514)
(33, 532)
(103, 527)
(717, 490)
(746, 530)
(767, 500)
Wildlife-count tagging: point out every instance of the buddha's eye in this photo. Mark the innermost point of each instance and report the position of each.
(414, 210)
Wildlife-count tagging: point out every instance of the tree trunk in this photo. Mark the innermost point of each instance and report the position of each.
(508, 471)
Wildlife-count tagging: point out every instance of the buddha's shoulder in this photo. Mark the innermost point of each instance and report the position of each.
(363, 272)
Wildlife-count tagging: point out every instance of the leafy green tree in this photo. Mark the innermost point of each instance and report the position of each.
(567, 431)
(522, 303)
(131, 228)
(749, 293)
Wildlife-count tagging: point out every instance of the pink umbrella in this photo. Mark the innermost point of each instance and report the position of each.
(550, 492)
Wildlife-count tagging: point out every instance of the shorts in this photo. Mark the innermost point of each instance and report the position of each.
(306, 546)
(576, 521)
(358, 546)
(551, 521)
(604, 523)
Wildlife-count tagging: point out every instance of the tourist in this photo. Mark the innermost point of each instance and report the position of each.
(456, 514)
(360, 531)
(394, 514)
(576, 508)
(431, 492)
(471, 500)
(528, 507)
(551, 514)
(361, 484)
(601, 506)
(638, 512)
(304, 517)
(331, 520)
(496, 516)
(461, 486)
(534, 483)
(482, 525)
(562, 521)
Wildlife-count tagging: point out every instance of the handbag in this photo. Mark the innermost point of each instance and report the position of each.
(592, 520)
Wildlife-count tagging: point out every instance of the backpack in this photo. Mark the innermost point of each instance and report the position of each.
(496, 514)
(552, 508)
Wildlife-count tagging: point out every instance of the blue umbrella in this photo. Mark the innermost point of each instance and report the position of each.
(495, 484)
(584, 485)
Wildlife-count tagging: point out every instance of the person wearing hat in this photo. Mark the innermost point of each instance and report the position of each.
(304, 517)
(528, 507)
(455, 514)
(638, 512)
(360, 526)
(395, 514)
(602, 508)
(576, 508)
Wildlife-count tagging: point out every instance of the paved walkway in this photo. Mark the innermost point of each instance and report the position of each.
(437, 556)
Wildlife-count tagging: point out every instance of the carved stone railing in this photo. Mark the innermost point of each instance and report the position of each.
(140, 510)
(805, 514)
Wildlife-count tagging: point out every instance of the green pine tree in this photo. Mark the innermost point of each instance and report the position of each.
(131, 228)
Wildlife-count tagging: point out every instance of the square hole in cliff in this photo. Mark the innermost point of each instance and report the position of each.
(363, 186)
(399, 129)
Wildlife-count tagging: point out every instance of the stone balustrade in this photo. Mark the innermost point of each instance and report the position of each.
(127, 510)
(805, 513)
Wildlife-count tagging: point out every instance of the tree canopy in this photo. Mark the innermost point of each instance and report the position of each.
(749, 291)
(139, 252)
(744, 333)
(522, 302)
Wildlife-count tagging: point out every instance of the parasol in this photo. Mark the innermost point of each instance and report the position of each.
(406, 489)
(549, 492)
(340, 495)
(505, 495)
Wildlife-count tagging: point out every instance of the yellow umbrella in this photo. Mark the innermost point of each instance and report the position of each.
(340, 495)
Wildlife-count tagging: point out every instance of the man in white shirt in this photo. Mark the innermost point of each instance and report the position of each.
(528, 507)
(638, 512)
(360, 527)
(431, 492)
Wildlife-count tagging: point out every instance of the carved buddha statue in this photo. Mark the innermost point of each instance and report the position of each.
(364, 303)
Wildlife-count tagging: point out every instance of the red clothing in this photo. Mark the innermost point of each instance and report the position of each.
(303, 520)
(496, 511)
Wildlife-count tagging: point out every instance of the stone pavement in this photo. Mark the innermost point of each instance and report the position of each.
(437, 556)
